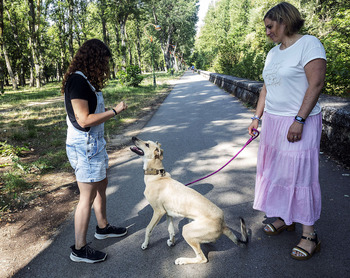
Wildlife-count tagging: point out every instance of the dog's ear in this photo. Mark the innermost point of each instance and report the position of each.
(158, 144)
(158, 153)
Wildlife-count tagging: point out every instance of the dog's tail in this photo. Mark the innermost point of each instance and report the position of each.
(227, 232)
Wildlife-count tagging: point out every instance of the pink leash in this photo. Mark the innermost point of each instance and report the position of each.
(256, 134)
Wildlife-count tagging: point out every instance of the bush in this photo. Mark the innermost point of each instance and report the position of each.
(130, 77)
(13, 182)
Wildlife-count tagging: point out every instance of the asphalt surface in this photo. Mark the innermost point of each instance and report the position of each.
(200, 128)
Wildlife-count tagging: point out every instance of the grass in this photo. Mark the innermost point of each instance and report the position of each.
(33, 132)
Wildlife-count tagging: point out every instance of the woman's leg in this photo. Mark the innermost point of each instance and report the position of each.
(88, 192)
(100, 204)
(104, 229)
(308, 245)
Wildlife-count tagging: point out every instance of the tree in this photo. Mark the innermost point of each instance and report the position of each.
(70, 28)
(34, 24)
(233, 40)
(40, 37)
(16, 42)
(177, 18)
(1, 46)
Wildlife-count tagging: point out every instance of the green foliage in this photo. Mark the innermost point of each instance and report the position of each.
(11, 187)
(337, 46)
(13, 183)
(233, 40)
(121, 77)
(9, 150)
(56, 34)
(131, 76)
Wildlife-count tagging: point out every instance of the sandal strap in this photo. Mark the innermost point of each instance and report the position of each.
(301, 250)
(310, 238)
(272, 227)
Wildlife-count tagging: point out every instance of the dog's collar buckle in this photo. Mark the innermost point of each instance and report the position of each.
(155, 172)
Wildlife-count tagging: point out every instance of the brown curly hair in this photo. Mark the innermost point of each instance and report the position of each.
(91, 60)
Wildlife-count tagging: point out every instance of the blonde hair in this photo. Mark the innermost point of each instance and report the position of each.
(288, 15)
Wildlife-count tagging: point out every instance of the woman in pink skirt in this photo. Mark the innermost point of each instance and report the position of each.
(287, 185)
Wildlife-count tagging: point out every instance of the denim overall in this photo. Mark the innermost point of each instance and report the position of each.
(86, 151)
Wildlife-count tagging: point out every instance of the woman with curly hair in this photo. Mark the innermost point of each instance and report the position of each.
(86, 146)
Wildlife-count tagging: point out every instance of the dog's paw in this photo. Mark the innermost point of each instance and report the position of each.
(144, 246)
(170, 242)
(196, 260)
(180, 261)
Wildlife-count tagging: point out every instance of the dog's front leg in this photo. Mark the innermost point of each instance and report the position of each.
(171, 229)
(157, 215)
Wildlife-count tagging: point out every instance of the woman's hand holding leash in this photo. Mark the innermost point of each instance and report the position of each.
(253, 127)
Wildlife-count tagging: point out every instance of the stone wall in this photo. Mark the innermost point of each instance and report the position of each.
(335, 140)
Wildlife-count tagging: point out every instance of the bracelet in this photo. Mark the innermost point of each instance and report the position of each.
(256, 117)
(299, 119)
(115, 112)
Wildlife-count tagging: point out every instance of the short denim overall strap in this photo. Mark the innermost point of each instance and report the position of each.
(100, 108)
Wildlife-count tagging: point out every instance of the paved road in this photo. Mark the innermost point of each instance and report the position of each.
(200, 128)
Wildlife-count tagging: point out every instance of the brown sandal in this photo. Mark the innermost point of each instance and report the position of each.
(275, 231)
(305, 254)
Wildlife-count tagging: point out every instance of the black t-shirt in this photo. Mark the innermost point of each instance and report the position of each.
(77, 87)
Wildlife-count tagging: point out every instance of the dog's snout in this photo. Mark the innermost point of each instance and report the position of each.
(134, 138)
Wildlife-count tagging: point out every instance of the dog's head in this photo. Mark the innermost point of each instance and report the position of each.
(148, 149)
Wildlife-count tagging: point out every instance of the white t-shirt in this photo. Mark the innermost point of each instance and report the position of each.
(285, 78)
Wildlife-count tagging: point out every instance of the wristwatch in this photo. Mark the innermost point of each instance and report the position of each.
(300, 119)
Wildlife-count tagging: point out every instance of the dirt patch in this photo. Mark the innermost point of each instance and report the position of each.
(25, 233)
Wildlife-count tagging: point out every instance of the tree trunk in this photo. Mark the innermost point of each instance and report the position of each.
(33, 42)
(9, 68)
(165, 49)
(70, 29)
(105, 34)
(31, 69)
(131, 62)
(8, 64)
(1, 45)
(138, 44)
(61, 38)
(117, 35)
(22, 79)
(122, 23)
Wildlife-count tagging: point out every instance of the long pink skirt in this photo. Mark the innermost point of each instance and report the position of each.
(287, 183)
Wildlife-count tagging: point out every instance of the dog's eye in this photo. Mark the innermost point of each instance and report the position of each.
(147, 145)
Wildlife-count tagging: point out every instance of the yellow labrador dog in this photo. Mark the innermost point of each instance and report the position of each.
(170, 197)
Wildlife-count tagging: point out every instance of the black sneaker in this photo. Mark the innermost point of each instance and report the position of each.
(110, 231)
(87, 255)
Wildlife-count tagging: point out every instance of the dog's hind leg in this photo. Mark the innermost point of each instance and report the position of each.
(157, 215)
(171, 229)
(193, 233)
